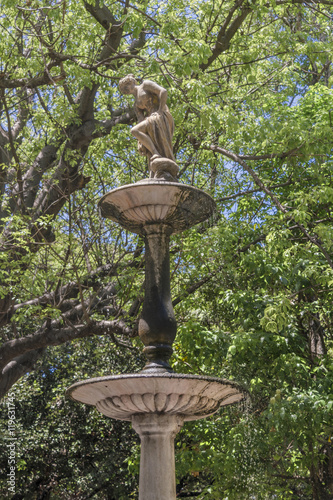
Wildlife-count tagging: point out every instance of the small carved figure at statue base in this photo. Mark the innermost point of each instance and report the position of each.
(163, 168)
(155, 127)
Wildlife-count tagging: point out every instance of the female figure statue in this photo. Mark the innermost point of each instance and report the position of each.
(155, 127)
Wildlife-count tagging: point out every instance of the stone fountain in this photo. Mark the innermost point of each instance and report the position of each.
(156, 401)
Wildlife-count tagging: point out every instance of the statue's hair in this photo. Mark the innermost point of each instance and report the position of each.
(125, 82)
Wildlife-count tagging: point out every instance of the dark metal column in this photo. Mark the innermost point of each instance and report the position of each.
(157, 326)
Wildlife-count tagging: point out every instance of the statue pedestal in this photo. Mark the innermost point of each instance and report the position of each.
(157, 405)
(156, 209)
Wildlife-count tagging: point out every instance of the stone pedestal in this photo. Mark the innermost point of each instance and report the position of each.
(157, 462)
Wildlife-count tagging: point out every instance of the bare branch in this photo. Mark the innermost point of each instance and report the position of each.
(23, 115)
(226, 33)
(281, 156)
(251, 191)
(140, 12)
(69, 290)
(33, 82)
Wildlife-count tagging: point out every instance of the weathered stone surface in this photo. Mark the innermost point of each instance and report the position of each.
(137, 206)
(164, 168)
(157, 405)
(155, 126)
(156, 209)
(157, 461)
(190, 396)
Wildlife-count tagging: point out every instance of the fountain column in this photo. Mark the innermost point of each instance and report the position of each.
(157, 462)
(157, 401)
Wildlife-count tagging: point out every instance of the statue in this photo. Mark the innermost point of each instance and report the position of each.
(155, 127)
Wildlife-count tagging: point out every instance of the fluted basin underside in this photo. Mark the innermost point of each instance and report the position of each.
(122, 396)
(136, 206)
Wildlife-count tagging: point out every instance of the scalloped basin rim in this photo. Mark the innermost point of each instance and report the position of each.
(144, 376)
(122, 396)
(179, 206)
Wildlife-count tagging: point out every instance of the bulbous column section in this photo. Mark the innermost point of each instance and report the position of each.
(157, 325)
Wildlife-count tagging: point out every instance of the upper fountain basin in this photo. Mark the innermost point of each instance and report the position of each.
(137, 206)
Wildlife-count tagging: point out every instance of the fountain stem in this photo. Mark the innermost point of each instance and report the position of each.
(157, 325)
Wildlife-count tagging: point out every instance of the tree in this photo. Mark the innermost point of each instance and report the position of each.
(249, 85)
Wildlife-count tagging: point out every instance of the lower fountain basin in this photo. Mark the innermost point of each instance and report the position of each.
(123, 396)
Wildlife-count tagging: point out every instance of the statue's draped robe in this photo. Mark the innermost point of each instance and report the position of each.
(160, 128)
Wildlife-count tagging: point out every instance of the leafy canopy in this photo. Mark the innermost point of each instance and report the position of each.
(250, 88)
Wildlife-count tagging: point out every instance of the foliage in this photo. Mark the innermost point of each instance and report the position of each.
(250, 88)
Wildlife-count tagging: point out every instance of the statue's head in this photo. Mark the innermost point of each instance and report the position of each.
(127, 84)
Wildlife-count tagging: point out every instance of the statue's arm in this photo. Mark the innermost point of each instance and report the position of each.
(161, 93)
(139, 114)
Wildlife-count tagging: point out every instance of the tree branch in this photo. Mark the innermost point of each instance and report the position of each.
(23, 115)
(251, 191)
(102, 14)
(33, 82)
(316, 2)
(225, 34)
(55, 334)
(18, 367)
